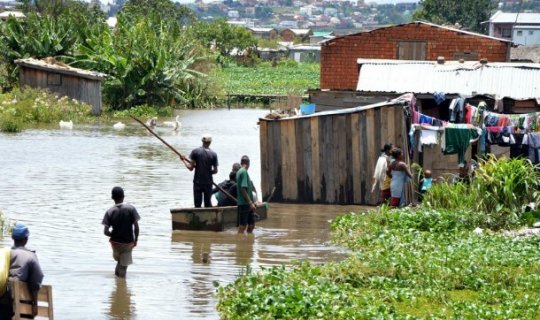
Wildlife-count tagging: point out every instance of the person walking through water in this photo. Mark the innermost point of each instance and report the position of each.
(246, 206)
(23, 266)
(121, 224)
(400, 173)
(205, 163)
(380, 176)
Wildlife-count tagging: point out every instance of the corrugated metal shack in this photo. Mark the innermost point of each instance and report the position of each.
(516, 84)
(83, 85)
(328, 157)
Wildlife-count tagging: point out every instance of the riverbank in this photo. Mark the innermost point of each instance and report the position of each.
(413, 263)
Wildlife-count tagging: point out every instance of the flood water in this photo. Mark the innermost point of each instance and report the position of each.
(58, 182)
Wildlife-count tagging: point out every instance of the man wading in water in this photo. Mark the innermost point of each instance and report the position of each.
(246, 206)
(205, 163)
(123, 219)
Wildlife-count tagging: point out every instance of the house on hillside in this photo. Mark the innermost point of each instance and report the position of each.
(410, 41)
(521, 28)
(79, 84)
(319, 36)
(305, 53)
(295, 34)
(264, 33)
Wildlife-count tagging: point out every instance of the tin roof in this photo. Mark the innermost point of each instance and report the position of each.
(397, 102)
(510, 17)
(518, 81)
(255, 29)
(424, 23)
(60, 68)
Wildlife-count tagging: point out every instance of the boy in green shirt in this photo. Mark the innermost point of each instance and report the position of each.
(246, 206)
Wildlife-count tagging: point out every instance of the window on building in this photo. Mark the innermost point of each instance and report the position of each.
(411, 50)
(531, 32)
(506, 32)
(519, 33)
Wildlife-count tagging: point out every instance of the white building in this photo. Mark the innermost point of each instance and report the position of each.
(521, 28)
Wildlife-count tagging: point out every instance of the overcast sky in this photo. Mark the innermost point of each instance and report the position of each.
(367, 1)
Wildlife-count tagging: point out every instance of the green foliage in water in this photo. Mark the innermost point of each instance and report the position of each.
(500, 190)
(21, 108)
(287, 77)
(415, 263)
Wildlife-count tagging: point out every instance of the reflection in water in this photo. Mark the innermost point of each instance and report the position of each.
(120, 301)
(244, 249)
(69, 176)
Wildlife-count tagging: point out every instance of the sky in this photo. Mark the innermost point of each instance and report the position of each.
(367, 1)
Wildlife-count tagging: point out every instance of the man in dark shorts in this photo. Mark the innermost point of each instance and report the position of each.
(123, 219)
(205, 163)
(246, 206)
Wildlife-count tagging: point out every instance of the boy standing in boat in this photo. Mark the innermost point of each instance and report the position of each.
(205, 163)
(246, 206)
(123, 219)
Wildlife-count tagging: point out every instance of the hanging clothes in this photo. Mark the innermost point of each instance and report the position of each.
(499, 105)
(519, 149)
(439, 97)
(533, 141)
(457, 109)
(457, 141)
(428, 137)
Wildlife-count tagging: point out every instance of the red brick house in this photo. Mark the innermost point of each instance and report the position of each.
(411, 41)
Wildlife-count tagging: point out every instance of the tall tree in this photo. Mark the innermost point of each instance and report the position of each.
(157, 10)
(468, 13)
(223, 36)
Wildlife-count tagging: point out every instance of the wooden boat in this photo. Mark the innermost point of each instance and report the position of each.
(210, 219)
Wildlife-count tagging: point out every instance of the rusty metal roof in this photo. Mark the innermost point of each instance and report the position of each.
(518, 81)
(60, 67)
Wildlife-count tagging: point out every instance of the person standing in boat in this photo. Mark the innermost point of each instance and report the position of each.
(246, 205)
(205, 163)
(121, 224)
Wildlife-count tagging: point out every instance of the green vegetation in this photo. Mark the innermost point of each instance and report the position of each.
(500, 189)
(413, 263)
(468, 13)
(21, 108)
(288, 77)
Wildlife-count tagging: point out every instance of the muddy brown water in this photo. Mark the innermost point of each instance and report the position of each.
(58, 182)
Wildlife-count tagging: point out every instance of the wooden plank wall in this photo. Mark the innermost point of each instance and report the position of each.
(329, 158)
(82, 89)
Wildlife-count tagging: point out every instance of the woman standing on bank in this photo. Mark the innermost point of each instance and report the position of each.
(400, 173)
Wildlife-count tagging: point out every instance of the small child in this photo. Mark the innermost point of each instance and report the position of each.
(425, 183)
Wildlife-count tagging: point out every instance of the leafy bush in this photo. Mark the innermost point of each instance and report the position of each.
(500, 190)
(20, 108)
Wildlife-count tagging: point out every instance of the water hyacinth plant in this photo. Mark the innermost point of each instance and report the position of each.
(420, 262)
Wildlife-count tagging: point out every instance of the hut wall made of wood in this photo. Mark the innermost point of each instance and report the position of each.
(327, 158)
(82, 89)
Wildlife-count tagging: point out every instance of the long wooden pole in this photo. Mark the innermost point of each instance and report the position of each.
(179, 154)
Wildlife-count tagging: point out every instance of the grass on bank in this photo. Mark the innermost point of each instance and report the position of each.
(413, 263)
